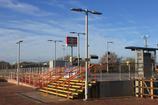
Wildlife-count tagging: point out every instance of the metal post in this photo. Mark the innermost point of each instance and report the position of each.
(107, 59)
(18, 61)
(129, 68)
(63, 52)
(86, 52)
(86, 11)
(17, 75)
(108, 56)
(78, 51)
(71, 56)
(55, 54)
(55, 41)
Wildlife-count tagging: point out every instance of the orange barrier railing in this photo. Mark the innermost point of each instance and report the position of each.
(44, 78)
(39, 79)
(78, 75)
(62, 75)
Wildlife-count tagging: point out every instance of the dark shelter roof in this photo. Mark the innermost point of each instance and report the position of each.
(133, 48)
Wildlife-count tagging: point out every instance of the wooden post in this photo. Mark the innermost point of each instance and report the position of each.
(151, 88)
(141, 88)
(137, 88)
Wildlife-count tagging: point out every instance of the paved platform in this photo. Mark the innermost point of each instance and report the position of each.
(44, 97)
(11, 94)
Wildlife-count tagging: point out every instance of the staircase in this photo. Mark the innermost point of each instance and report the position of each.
(71, 87)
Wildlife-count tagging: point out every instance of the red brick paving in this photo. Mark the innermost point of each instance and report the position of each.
(10, 95)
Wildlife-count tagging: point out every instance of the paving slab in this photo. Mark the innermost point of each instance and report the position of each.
(44, 97)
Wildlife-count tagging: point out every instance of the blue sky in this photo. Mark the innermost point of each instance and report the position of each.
(124, 22)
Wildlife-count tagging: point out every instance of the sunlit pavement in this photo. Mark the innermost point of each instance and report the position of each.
(11, 94)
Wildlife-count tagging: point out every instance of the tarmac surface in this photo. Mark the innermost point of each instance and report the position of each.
(11, 94)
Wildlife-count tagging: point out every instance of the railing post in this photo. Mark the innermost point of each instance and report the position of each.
(151, 88)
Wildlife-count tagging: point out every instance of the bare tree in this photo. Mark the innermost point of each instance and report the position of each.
(113, 58)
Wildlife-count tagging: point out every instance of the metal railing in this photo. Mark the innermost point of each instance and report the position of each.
(43, 75)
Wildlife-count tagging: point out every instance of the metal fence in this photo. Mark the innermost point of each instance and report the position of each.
(11, 73)
(116, 72)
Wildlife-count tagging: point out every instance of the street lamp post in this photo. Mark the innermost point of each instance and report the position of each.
(86, 12)
(63, 52)
(107, 45)
(18, 60)
(55, 41)
(78, 46)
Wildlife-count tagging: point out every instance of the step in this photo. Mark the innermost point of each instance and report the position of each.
(77, 80)
(73, 80)
(54, 93)
(66, 88)
(72, 83)
(66, 85)
(62, 91)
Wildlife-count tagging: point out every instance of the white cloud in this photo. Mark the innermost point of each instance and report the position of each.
(65, 5)
(35, 34)
(23, 7)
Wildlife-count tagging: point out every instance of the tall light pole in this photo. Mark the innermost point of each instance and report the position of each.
(78, 46)
(55, 41)
(107, 45)
(18, 61)
(63, 45)
(86, 12)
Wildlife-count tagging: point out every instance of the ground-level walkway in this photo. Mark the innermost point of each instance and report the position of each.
(11, 94)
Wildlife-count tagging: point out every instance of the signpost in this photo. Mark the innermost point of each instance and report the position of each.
(72, 42)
